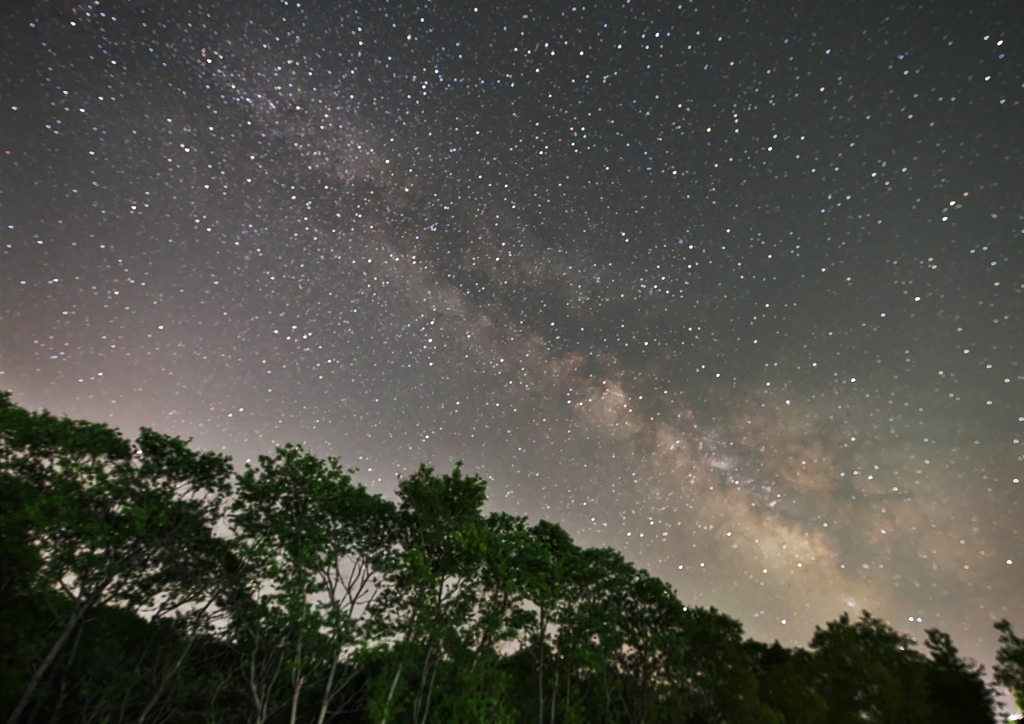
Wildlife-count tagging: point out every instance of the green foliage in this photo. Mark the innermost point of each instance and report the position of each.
(88, 521)
(867, 670)
(319, 602)
(783, 686)
(956, 687)
(306, 539)
(1009, 671)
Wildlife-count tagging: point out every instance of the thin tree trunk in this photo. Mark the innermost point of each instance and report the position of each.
(430, 690)
(607, 697)
(174, 669)
(295, 699)
(261, 684)
(62, 692)
(554, 694)
(625, 704)
(297, 681)
(391, 692)
(124, 703)
(327, 691)
(40, 671)
(64, 674)
(568, 687)
(540, 668)
(401, 663)
(254, 688)
(422, 685)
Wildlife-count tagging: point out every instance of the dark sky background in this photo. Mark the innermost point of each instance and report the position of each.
(735, 288)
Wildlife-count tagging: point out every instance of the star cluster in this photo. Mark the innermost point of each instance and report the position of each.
(735, 288)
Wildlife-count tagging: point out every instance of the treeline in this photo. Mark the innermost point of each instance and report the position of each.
(147, 582)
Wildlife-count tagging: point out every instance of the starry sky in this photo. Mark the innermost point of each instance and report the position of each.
(735, 288)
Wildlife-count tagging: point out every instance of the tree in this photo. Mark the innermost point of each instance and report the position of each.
(1010, 655)
(500, 614)
(956, 687)
(650, 619)
(430, 580)
(589, 630)
(309, 538)
(119, 603)
(867, 670)
(715, 670)
(102, 523)
(543, 562)
(783, 684)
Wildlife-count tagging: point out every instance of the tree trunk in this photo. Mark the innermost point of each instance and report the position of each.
(607, 696)
(423, 683)
(261, 680)
(625, 704)
(327, 691)
(406, 637)
(41, 670)
(554, 694)
(430, 690)
(295, 699)
(568, 687)
(540, 667)
(64, 674)
(174, 669)
(391, 692)
(297, 681)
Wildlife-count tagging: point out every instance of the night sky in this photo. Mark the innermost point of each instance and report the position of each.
(735, 288)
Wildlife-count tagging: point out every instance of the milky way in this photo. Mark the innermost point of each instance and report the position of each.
(734, 288)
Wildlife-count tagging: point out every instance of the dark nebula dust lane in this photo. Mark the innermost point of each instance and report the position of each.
(735, 288)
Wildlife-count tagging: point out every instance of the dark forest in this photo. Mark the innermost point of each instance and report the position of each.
(147, 582)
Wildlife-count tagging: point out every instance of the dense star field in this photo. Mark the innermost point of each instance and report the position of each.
(736, 289)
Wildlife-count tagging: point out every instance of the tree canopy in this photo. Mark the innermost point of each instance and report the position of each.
(143, 581)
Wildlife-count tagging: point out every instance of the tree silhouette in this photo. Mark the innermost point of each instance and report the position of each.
(1010, 669)
(131, 591)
